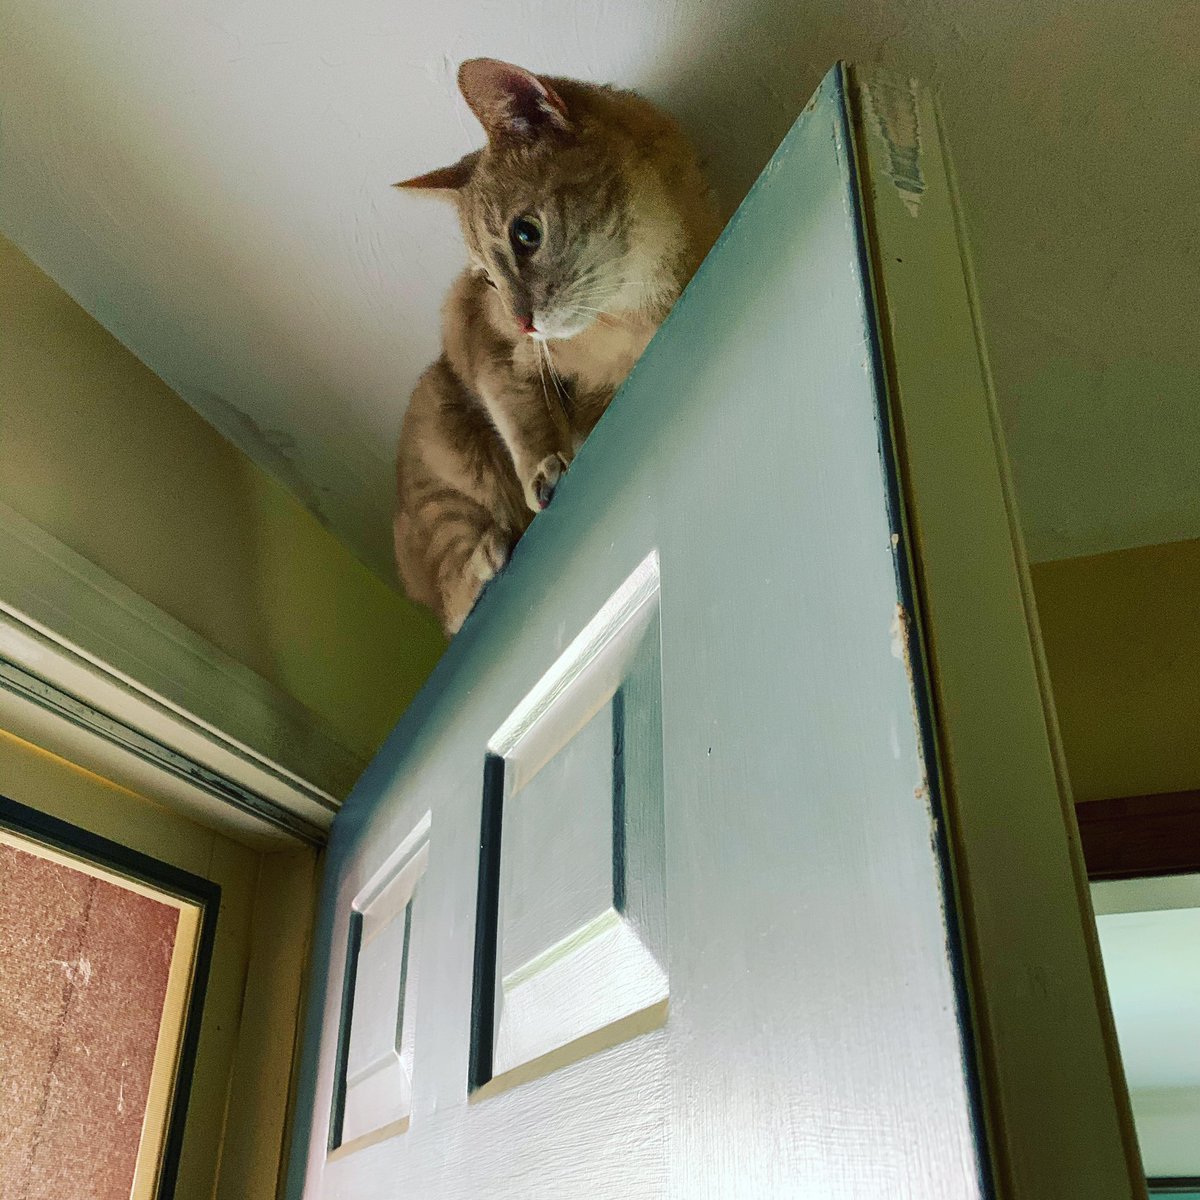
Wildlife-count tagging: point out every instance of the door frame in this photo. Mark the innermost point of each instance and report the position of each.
(998, 746)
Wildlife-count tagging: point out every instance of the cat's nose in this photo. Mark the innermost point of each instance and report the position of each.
(525, 323)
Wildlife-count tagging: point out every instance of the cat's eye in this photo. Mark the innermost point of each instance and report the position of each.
(525, 233)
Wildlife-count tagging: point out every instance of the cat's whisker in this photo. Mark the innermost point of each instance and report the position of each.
(600, 315)
(611, 290)
(544, 357)
(606, 296)
(555, 378)
(594, 301)
(545, 390)
(554, 375)
(630, 283)
(588, 299)
(560, 387)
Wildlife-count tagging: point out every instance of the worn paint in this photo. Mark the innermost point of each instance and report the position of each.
(895, 117)
(1057, 1107)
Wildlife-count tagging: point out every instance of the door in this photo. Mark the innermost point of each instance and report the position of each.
(687, 874)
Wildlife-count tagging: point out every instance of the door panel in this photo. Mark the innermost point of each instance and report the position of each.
(685, 928)
(377, 1032)
(576, 788)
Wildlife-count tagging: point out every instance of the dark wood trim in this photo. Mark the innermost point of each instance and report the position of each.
(1174, 1185)
(1140, 835)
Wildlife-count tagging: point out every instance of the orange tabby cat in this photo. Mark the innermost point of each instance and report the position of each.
(584, 217)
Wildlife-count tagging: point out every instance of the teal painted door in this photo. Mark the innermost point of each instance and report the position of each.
(646, 896)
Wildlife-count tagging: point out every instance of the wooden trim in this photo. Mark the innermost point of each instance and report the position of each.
(1130, 836)
(154, 1166)
(74, 717)
(261, 1108)
(93, 654)
(1057, 1110)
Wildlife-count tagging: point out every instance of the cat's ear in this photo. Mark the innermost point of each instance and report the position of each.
(509, 101)
(445, 180)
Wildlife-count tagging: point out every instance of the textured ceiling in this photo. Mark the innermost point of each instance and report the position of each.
(210, 181)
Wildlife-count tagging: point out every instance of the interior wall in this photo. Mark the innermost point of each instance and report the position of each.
(211, 180)
(1122, 638)
(100, 453)
(1167, 1120)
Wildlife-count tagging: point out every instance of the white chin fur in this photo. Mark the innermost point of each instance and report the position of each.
(560, 331)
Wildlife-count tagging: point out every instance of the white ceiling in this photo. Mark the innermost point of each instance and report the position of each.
(210, 181)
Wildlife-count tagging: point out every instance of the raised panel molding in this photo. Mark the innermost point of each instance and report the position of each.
(378, 1035)
(573, 953)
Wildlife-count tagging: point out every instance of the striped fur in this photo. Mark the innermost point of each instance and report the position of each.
(491, 426)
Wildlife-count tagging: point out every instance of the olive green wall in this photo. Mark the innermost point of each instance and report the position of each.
(100, 453)
(1122, 636)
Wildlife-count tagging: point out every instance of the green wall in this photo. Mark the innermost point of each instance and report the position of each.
(100, 453)
(1122, 636)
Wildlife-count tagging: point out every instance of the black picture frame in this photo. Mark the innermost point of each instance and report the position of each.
(72, 839)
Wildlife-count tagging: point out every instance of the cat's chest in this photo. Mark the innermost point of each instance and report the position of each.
(599, 359)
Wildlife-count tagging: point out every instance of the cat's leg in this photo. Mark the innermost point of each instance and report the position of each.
(468, 548)
(459, 510)
(461, 582)
(535, 432)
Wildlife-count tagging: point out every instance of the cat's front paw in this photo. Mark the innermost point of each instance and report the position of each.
(540, 489)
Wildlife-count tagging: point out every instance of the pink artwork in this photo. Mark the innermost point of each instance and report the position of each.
(83, 977)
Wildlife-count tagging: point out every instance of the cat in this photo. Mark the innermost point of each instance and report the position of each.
(584, 215)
